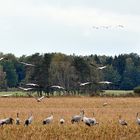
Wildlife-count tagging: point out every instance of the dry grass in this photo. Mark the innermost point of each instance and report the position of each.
(107, 116)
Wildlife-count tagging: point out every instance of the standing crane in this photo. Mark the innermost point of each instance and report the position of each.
(138, 119)
(17, 119)
(6, 121)
(77, 118)
(122, 121)
(29, 120)
(90, 121)
(48, 120)
(62, 121)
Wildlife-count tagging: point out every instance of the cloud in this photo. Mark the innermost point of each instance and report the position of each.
(55, 25)
(73, 15)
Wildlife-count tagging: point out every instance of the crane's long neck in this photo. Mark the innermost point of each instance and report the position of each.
(137, 115)
(120, 117)
(82, 113)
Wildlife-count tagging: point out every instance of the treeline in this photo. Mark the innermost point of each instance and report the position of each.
(70, 70)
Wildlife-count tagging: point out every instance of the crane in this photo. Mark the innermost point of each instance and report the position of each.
(48, 120)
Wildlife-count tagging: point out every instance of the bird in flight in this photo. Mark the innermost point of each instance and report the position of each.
(32, 84)
(6, 95)
(105, 82)
(39, 99)
(25, 89)
(120, 26)
(2, 58)
(84, 84)
(95, 27)
(108, 27)
(58, 87)
(27, 64)
(99, 68)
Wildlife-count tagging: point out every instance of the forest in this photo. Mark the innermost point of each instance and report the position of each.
(68, 71)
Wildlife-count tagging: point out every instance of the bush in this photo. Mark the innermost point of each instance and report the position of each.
(137, 90)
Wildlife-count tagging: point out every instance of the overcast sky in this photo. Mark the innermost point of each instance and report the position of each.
(69, 26)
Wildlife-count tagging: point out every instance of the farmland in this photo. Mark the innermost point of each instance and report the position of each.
(66, 107)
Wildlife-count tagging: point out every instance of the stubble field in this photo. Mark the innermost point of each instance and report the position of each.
(66, 107)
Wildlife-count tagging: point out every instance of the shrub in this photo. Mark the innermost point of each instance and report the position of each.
(137, 90)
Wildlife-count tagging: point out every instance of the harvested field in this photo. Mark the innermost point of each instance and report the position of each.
(66, 107)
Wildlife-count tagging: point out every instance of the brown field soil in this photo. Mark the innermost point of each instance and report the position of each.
(66, 107)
